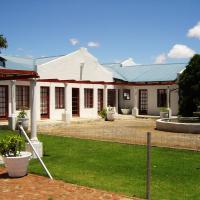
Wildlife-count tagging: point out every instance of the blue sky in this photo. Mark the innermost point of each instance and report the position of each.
(113, 29)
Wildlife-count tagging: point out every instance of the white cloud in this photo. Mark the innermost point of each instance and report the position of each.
(180, 51)
(160, 59)
(194, 31)
(29, 56)
(128, 62)
(20, 49)
(73, 41)
(93, 44)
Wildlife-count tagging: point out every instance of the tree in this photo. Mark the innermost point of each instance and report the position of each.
(189, 87)
(3, 43)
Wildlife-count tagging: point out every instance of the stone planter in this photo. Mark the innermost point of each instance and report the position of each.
(125, 111)
(24, 123)
(164, 115)
(17, 166)
(110, 116)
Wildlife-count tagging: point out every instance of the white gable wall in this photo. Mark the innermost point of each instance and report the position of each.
(68, 68)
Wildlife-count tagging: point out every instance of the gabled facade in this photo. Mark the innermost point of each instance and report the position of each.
(77, 85)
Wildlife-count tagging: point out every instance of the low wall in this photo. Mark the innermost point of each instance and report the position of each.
(164, 125)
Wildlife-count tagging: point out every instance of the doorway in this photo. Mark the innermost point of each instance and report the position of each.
(3, 102)
(44, 102)
(75, 102)
(143, 102)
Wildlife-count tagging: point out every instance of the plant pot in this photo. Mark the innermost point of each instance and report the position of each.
(24, 122)
(110, 116)
(164, 115)
(125, 111)
(17, 166)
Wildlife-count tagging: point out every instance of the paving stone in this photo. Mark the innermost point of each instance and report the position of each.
(34, 187)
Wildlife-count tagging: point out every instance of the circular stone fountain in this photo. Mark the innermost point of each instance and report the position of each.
(179, 125)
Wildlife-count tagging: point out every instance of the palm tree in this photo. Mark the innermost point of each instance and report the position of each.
(3, 43)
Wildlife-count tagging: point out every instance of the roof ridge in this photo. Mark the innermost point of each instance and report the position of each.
(16, 56)
(145, 64)
(49, 56)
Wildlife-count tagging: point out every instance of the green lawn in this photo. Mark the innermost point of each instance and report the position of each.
(120, 167)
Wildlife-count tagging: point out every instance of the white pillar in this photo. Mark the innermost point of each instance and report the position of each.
(168, 102)
(116, 100)
(135, 99)
(13, 117)
(95, 102)
(105, 97)
(68, 104)
(33, 111)
(38, 145)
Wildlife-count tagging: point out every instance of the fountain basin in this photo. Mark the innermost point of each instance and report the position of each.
(184, 125)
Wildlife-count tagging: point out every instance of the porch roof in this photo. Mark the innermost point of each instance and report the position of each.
(13, 74)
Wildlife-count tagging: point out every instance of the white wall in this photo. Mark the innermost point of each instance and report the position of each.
(152, 98)
(68, 68)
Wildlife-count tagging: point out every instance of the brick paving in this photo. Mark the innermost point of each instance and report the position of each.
(126, 130)
(34, 187)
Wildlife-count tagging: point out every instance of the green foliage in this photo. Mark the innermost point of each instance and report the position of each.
(22, 113)
(189, 87)
(3, 42)
(11, 145)
(103, 113)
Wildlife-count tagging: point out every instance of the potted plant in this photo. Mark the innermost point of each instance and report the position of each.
(110, 115)
(16, 160)
(164, 113)
(23, 119)
(103, 113)
(125, 111)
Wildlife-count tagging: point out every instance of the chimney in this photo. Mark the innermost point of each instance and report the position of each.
(81, 71)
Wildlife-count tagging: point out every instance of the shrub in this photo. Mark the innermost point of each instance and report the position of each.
(103, 113)
(189, 87)
(11, 145)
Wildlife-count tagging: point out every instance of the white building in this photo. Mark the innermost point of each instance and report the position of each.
(77, 85)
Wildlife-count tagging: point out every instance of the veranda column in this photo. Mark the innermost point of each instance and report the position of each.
(68, 104)
(36, 143)
(105, 97)
(13, 117)
(116, 100)
(168, 102)
(135, 108)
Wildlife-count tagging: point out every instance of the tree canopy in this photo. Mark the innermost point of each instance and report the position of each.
(189, 87)
(3, 42)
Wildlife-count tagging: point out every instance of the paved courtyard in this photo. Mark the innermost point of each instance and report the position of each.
(124, 129)
(34, 187)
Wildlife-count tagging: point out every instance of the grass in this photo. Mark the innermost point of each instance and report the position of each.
(121, 168)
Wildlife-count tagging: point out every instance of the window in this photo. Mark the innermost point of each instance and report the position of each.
(60, 98)
(161, 98)
(126, 94)
(88, 97)
(111, 97)
(22, 97)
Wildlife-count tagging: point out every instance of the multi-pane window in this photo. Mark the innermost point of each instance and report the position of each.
(88, 98)
(126, 94)
(111, 97)
(60, 98)
(22, 97)
(161, 98)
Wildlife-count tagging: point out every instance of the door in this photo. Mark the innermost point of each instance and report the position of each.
(75, 102)
(111, 98)
(44, 102)
(3, 102)
(143, 102)
(100, 100)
